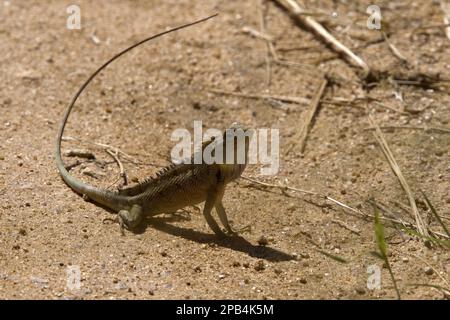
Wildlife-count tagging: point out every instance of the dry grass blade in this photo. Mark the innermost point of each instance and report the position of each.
(270, 50)
(307, 120)
(262, 96)
(426, 129)
(122, 174)
(257, 34)
(319, 249)
(356, 212)
(446, 9)
(397, 171)
(394, 49)
(433, 268)
(299, 13)
(283, 188)
(346, 226)
(445, 291)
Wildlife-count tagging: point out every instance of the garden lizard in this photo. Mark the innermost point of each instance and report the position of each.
(174, 187)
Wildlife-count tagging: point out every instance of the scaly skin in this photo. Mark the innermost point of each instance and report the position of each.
(175, 187)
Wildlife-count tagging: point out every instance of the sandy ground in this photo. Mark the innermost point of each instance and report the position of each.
(47, 232)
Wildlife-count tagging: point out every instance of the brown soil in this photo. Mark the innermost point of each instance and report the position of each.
(140, 99)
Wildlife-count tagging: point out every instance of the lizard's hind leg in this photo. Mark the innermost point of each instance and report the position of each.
(132, 218)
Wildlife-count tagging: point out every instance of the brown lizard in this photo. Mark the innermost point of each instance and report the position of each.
(174, 187)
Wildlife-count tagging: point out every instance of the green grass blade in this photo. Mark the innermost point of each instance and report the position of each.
(379, 235)
(382, 246)
(332, 256)
(444, 243)
(435, 214)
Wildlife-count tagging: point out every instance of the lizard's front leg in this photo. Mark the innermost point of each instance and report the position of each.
(224, 219)
(209, 204)
(130, 219)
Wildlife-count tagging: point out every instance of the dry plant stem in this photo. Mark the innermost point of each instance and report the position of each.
(262, 26)
(395, 167)
(446, 9)
(426, 129)
(307, 120)
(103, 146)
(391, 108)
(400, 222)
(429, 265)
(257, 34)
(311, 23)
(122, 174)
(394, 49)
(262, 96)
(346, 226)
(303, 191)
(353, 210)
(303, 66)
(290, 99)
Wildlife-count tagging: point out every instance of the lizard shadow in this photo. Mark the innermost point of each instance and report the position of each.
(235, 243)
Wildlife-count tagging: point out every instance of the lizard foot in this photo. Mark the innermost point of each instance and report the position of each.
(235, 232)
(130, 219)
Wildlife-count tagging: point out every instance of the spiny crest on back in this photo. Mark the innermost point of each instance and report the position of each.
(159, 175)
(165, 173)
(171, 170)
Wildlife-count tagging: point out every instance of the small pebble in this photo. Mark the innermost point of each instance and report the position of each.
(303, 281)
(198, 269)
(278, 271)
(360, 290)
(428, 271)
(291, 207)
(304, 255)
(259, 266)
(262, 241)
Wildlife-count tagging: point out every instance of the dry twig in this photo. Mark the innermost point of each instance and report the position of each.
(288, 99)
(397, 171)
(446, 9)
(122, 174)
(356, 212)
(426, 129)
(346, 226)
(394, 49)
(299, 13)
(309, 115)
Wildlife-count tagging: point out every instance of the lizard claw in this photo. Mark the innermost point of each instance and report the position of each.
(237, 232)
(110, 219)
(119, 221)
(121, 225)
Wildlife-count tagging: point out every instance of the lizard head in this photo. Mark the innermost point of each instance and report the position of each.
(236, 142)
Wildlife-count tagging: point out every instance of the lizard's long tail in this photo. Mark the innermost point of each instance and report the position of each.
(101, 196)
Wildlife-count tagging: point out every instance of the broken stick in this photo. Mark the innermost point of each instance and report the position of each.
(309, 115)
(299, 13)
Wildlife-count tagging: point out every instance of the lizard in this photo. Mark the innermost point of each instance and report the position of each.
(175, 186)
